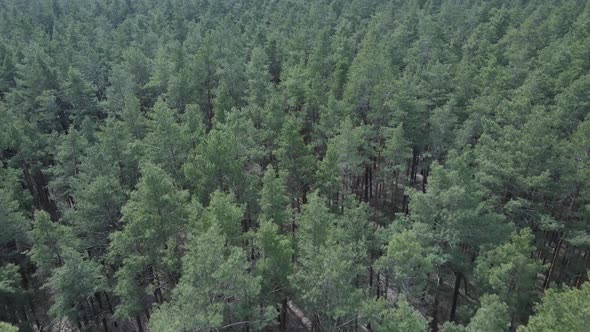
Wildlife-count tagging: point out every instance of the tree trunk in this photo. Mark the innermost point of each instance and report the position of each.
(395, 192)
(414, 168)
(105, 325)
(108, 302)
(370, 278)
(553, 262)
(434, 322)
(34, 311)
(138, 321)
(37, 185)
(458, 277)
(370, 182)
(283, 315)
(386, 288)
(581, 276)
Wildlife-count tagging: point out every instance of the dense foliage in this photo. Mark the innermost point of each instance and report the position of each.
(343, 165)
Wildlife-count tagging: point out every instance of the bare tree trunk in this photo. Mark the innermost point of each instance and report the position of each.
(553, 262)
(283, 315)
(139, 325)
(434, 322)
(581, 276)
(458, 277)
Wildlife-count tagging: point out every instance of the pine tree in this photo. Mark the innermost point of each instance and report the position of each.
(510, 272)
(396, 153)
(331, 266)
(70, 154)
(216, 163)
(215, 290)
(295, 161)
(328, 176)
(133, 118)
(97, 211)
(274, 202)
(259, 78)
(352, 147)
(12, 220)
(51, 241)
(164, 143)
(74, 284)
(324, 281)
(493, 315)
(148, 246)
(226, 214)
(5, 327)
(80, 94)
(274, 266)
(382, 316)
(410, 259)
(565, 310)
(459, 218)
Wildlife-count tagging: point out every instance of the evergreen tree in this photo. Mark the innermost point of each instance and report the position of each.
(410, 258)
(382, 316)
(565, 310)
(69, 156)
(274, 202)
(74, 284)
(51, 242)
(216, 163)
(80, 94)
(149, 245)
(295, 161)
(215, 290)
(510, 272)
(164, 144)
(274, 266)
(226, 214)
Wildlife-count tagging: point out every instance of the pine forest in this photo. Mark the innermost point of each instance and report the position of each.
(295, 165)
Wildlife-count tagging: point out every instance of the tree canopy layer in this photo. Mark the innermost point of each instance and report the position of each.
(330, 165)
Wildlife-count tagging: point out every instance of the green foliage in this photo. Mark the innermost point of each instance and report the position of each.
(97, 211)
(164, 144)
(328, 263)
(5, 327)
(410, 258)
(274, 201)
(510, 272)
(74, 284)
(68, 158)
(215, 289)
(51, 241)
(314, 225)
(226, 214)
(462, 126)
(565, 310)
(396, 150)
(258, 77)
(9, 279)
(216, 163)
(81, 95)
(457, 213)
(351, 146)
(403, 317)
(493, 315)
(12, 220)
(324, 283)
(274, 264)
(151, 239)
(295, 159)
